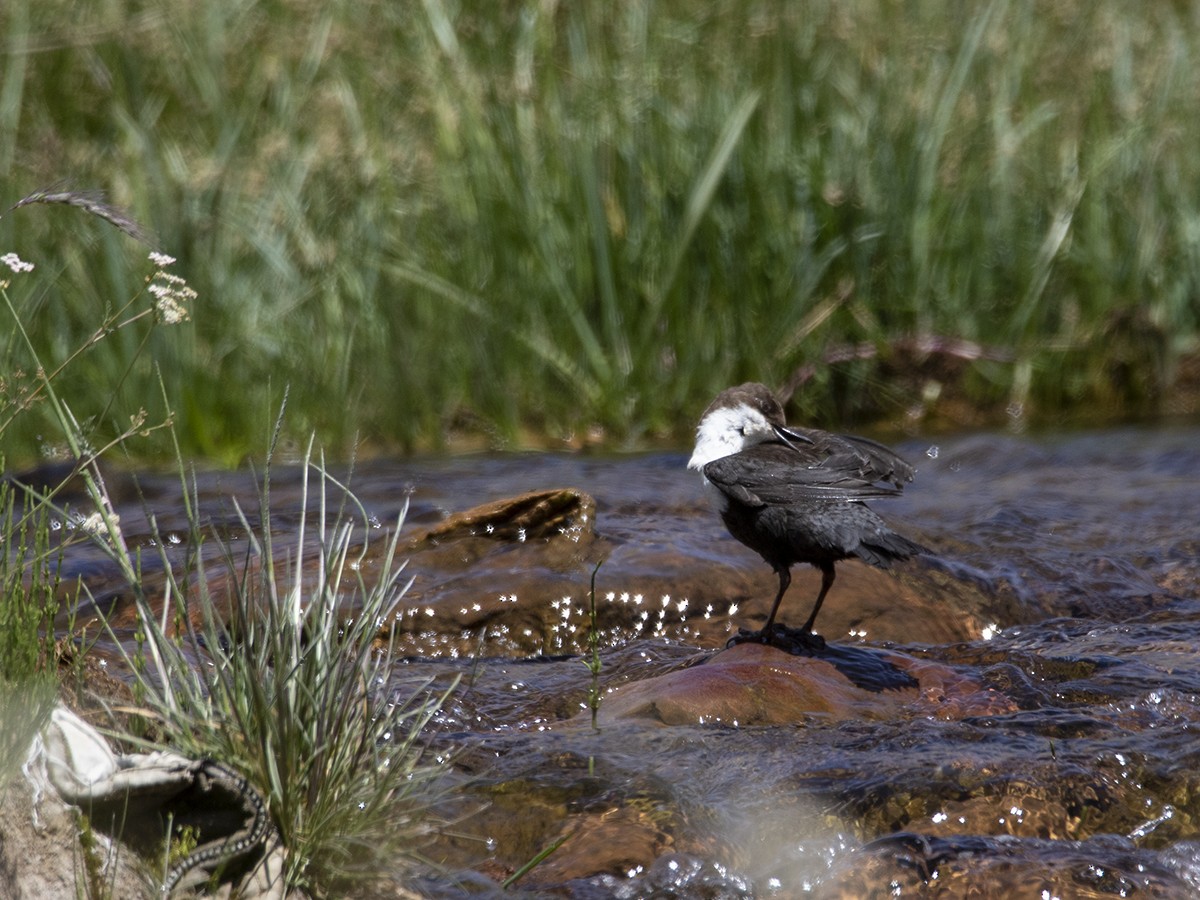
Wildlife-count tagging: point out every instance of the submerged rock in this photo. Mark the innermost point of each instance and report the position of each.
(513, 576)
(560, 512)
(1006, 867)
(755, 684)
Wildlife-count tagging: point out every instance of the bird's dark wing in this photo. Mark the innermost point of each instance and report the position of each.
(783, 473)
(869, 460)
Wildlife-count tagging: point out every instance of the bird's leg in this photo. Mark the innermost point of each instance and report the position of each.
(827, 575)
(763, 636)
(797, 642)
(785, 579)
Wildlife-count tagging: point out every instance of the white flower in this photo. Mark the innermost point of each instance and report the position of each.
(171, 297)
(161, 259)
(15, 263)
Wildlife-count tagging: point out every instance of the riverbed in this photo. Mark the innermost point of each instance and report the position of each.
(1017, 714)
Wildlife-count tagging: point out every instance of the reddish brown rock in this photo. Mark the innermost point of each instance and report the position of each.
(512, 578)
(753, 684)
(616, 841)
(559, 512)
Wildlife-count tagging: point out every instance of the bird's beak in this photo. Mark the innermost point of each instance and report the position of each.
(791, 438)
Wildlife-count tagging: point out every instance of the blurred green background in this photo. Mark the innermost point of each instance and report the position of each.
(551, 223)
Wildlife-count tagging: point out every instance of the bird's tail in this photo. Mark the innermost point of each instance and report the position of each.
(884, 549)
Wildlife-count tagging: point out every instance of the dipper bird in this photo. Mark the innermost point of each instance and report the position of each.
(796, 494)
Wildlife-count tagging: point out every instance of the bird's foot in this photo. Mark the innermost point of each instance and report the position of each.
(795, 641)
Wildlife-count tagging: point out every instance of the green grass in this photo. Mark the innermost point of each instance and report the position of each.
(548, 221)
(28, 603)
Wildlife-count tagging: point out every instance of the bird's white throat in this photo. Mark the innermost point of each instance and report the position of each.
(728, 430)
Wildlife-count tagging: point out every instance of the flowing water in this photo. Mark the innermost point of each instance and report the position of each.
(1017, 715)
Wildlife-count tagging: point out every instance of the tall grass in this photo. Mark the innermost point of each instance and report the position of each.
(433, 218)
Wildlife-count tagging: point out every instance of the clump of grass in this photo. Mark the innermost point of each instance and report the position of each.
(28, 586)
(297, 692)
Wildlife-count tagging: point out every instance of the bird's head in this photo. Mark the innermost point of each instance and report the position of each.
(738, 418)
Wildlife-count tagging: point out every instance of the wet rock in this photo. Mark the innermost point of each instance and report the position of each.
(526, 517)
(918, 601)
(617, 840)
(496, 574)
(906, 863)
(472, 569)
(585, 815)
(754, 684)
(477, 596)
(671, 875)
(512, 577)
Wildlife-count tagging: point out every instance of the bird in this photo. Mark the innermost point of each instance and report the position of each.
(797, 495)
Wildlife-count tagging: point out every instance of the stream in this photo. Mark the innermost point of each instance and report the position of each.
(1039, 735)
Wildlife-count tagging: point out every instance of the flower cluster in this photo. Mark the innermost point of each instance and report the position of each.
(15, 263)
(171, 292)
